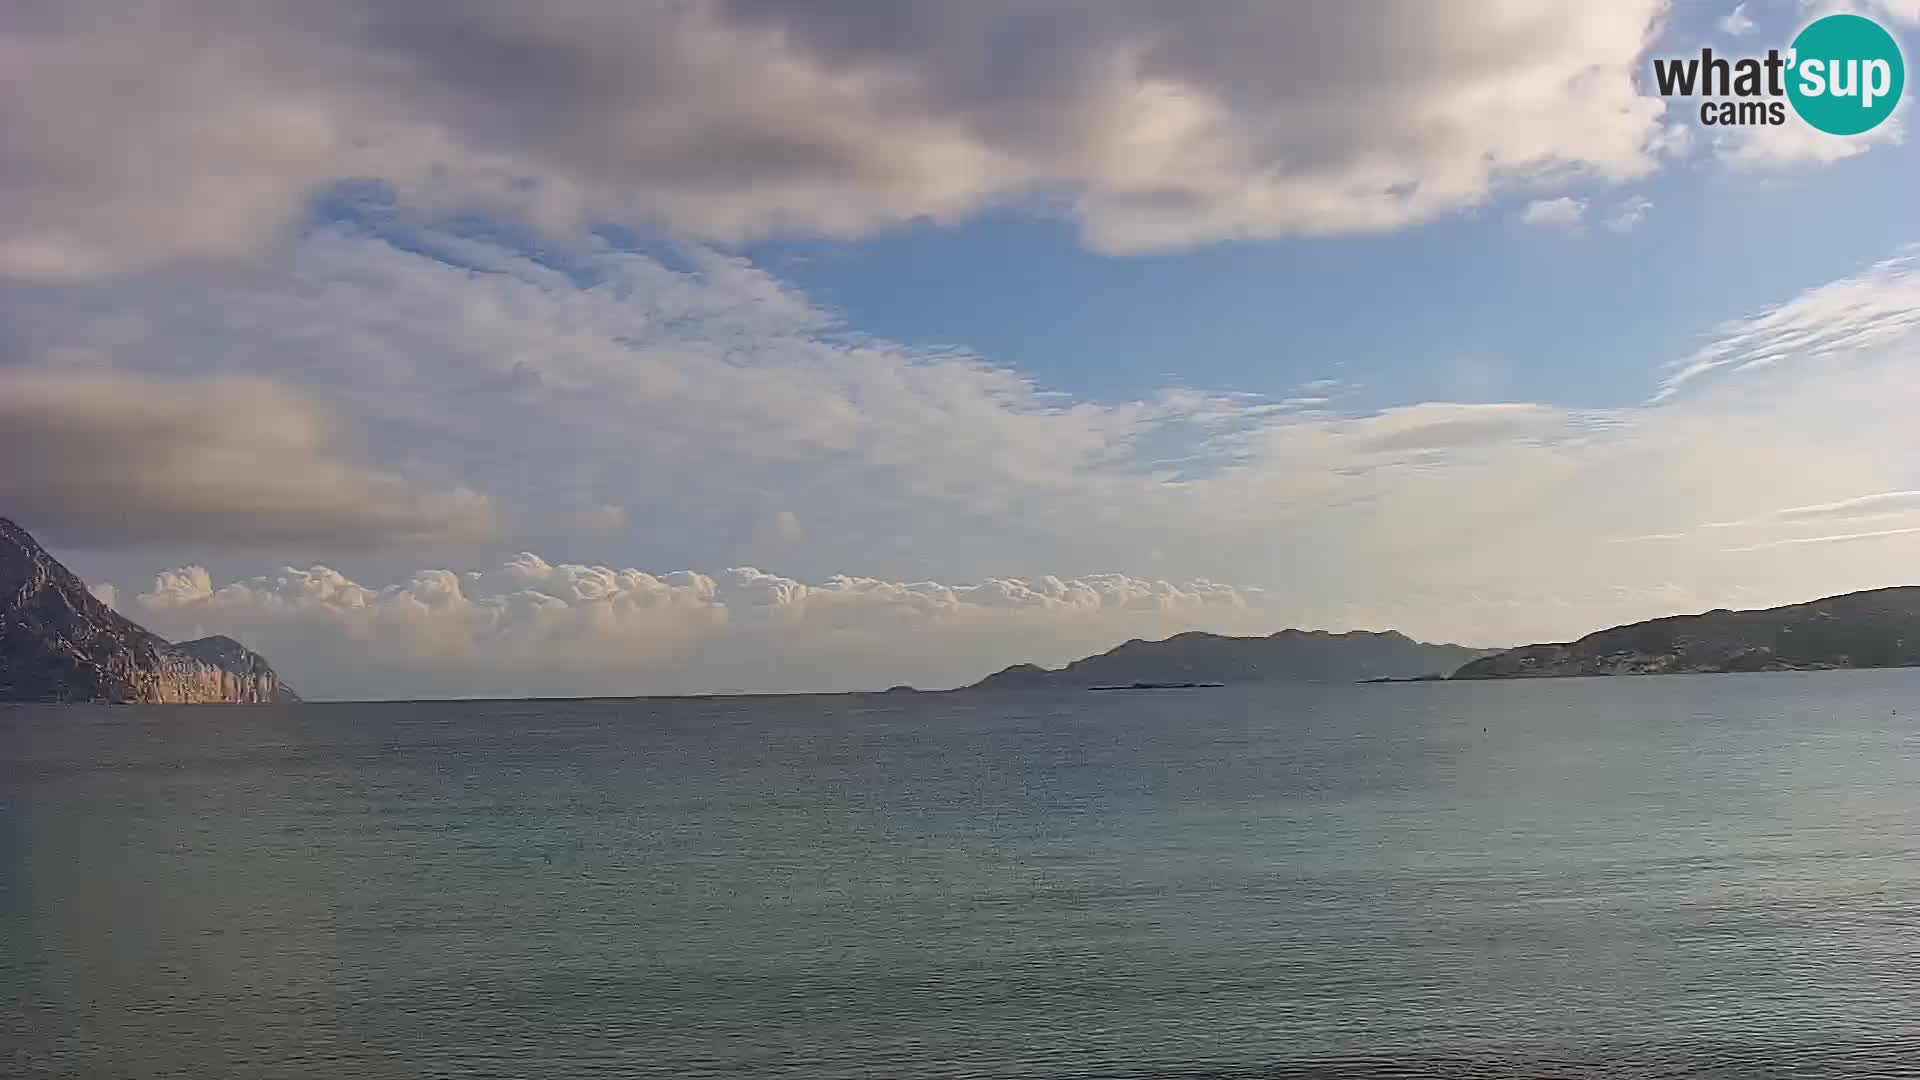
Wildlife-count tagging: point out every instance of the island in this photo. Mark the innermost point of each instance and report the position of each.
(1876, 628)
(1196, 659)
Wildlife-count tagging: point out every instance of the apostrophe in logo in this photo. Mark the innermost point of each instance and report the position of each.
(1847, 74)
(1843, 74)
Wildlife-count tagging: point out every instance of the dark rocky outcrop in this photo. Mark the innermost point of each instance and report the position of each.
(1287, 656)
(60, 643)
(1877, 628)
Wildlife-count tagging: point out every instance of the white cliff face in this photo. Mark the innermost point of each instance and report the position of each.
(226, 670)
(60, 643)
(179, 679)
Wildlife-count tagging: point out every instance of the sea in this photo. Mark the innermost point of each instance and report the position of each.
(1677, 877)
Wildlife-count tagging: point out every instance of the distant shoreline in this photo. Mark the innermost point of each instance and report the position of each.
(951, 692)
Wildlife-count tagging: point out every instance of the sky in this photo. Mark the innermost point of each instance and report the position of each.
(588, 347)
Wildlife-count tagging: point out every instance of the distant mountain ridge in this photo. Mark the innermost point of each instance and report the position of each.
(1871, 629)
(58, 642)
(1285, 656)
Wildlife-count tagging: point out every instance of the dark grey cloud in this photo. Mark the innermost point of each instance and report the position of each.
(111, 459)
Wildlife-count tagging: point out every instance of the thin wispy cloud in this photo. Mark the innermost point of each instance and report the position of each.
(1885, 502)
(1629, 214)
(1563, 212)
(1841, 318)
(1879, 504)
(1835, 538)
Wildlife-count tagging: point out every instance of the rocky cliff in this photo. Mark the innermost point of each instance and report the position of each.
(59, 643)
(1878, 628)
(1286, 656)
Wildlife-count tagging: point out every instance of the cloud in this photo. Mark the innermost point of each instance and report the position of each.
(1444, 425)
(1796, 143)
(1834, 320)
(1885, 502)
(111, 458)
(706, 398)
(605, 518)
(1563, 212)
(690, 398)
(1837, 538)
(1763, 147)
(1630, 214)
(531, 626)
(218, 122)
(104, 592)
(1878, 505)
(781, 529)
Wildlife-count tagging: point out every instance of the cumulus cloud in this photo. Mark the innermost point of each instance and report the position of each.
(104, 592)
(211, 124)
(109, 458)
(1563, 212)
(1737, 23)
(531, 626)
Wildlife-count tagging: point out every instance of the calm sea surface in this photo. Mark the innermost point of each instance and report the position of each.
(1660, 877)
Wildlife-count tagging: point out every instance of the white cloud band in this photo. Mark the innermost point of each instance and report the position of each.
(532, 626)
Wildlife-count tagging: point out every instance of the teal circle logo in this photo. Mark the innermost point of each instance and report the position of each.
(1845, 74)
